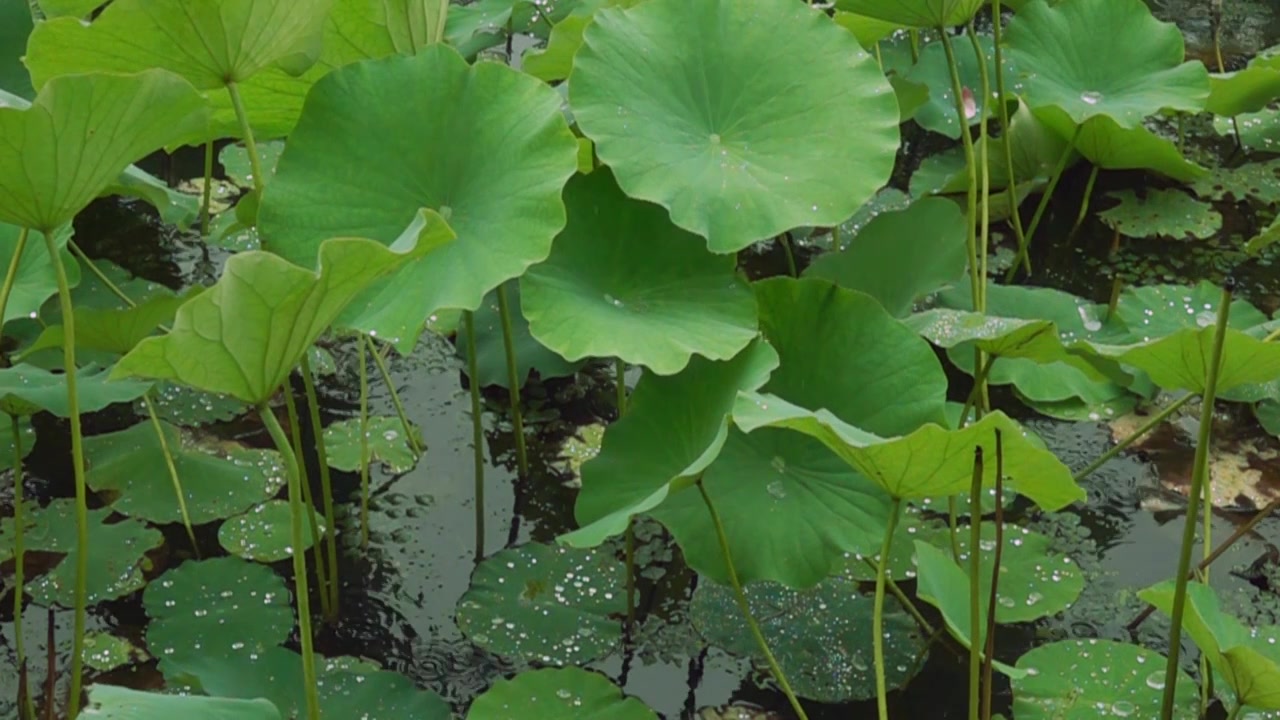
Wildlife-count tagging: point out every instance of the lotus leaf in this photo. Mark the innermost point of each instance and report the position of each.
(1245, 91)
(235, 161)
(623, 282)
(1034, 582)
(558, 694)
(1154, 311)
(1066, 60)
(555, 61)
(934, 72)
(117, 554)
(1181, 360)
(244, 335)
(916, 13)
(1106, 144)
(366, 157)
(1163, 213)
(105, 652)
(1259, 180)
(491, 349)
(117, 703)
(28, 435)
(1063, 681)
(116, 330)
(1258, 131)
(1005, 337)
(543, 603)
(60, 8)
(868, 30)
(182, 405)
(821, 637)
(387, 443)
(262, 533)
(25, 390)
(15, 25)
(778, 119)
(900, 255)
(113, 119)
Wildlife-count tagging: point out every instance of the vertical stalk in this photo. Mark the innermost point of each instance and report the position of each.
(294, 480)
(971, 235)
(77, 463)
(513, 381)
(11, 275)
(620, 384)
(984, 144)
(1198, 479)
(326, 485)
(364, 343)
(477, 428)
(173, 472)
(1088, 194)
(914, 36)
(789, 251)
(1002, 108)
(989, 651)
(385, 372)
(1044, 200)
(255, 165)
(877, 633)
(745, 607)
(207, 195)
(975, 569)
(27, 709)
(295, 428)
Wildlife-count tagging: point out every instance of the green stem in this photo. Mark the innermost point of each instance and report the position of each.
(477, 428)
(255, 164)
(97, 273)
(1058, 169)
(953, 525)
(1137, 435)
(364, 344)
(77, 462)
(1002, 107)
(989, 651)
(914, 36)
(28, 708)
(294, 480)
(984, 240)
(174, 478)
(11, 275)
(620, 383)
(326, 484)
(975, 568)
(745, 607)
(971, 235)
(295, 428)
(785, 241)
(513, 381)
(1198, 480)
(910, 607)
(1088, 194)
(877, 633)
(206, 198)
(380, 360)
(979, 382)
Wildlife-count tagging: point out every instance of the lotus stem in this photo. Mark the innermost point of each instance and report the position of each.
(1084, 201)
(909, 606)
(77, 463)
(26, 707)
(984, 239)
(364, 344)
(745, 607)
(385, 372)
(913, 36)
(877, 619)
(294, 479)
(953, 525)
(973, 401)
(789, 252)
(174, 478)
(326, 485)
(975, 568)
(51, 666)
(255, 164)
(11, 275)
(477, 428)
(989, 650)
(1199, 479)
(1002, 108)
(971, 236)
(295, 432)
(1151, 423)
(513, 382)
(620, 383)
(1044, 200)
(206, 197)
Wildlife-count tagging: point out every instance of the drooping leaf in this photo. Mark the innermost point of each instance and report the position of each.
(387, 444)
(117, 703)
(1103, 142)
(558, 694)
(491, 348)
(263, 533)
(81, 132)
(116, 554)
(25, 390)
(366, 157)
(548, 604)
(1244, 91)
(868, 30)
(245, 334)
(116, 330)
(1181, 360)
(622, 281)
(1064, 680)
(1162, 213)
(916, 13)
(780, 119)
(933, 71)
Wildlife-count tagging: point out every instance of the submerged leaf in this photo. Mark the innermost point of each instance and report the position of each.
(558, 694)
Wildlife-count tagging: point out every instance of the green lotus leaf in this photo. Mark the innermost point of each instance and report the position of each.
(219, 479)
(555, 61)
(1161, 213)
(366, 157)
(822, 637)
(81, 132)
(934, 72)
(60, 8)
(1111, 147)
(117, 554)
(116, 330)
(105, 652)
(1260, 180)
(1005, 337)
(868, 30)
(1034, 581)
(1247, 658)
(189, 407)
(387, 444)
(558, 694)
(361, 30)
(15, 25)
(35, 281)
(1258, 131)
(900, 255)
(1268, 414)
(548, 604)
(1181, 360)
(1244, 91)
(211, 44)
(931, 461)
(1063, 680)
(1270, 235)
(116, 703)
(1061, 54)
(673, 429)
(780, 119)
(245, 334)
(25, 390)
(622, 281)
(235, 161)
(28, 435)
(491, 349)
(916, 13)
(175, 208)
(262, 533)
(1154, 311)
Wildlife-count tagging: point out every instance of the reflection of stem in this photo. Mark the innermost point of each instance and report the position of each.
(877, 620)
(364, 343)
(326, 485)
(28, 708)
(11, 275)
(207, 196)
(1137, 435)
(295, 430)
(299, 557)
(380, 360)
(971, 235)
(477, 428)
(745, 607)
(1002, 107)
(77, 460)
(975, 568)
(173, 472)
(1198, 485)
(513, 381)
(255, 165)
(988, 663)
(1044, 200)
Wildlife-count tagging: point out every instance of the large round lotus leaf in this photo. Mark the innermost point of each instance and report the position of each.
(1064, 59)
(934, 72)
(218, 479)
(387, 443)
(225, 607)
(623, 282)
(117, 554)
(916, 13)
(486, 146)
(901, 255)
(81, 132)
(557, 694)
(1153, 311)
(1111, 147)
(547, 604)
(744, 118)
(116, 703)
(491, 348)
(1078, 679)
(1162, 213)
(822, 637)
(1034, 582)
(263, 533)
